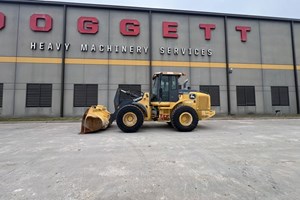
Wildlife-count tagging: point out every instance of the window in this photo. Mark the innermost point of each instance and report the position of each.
(1, 94)
(154, 95)
(85, 95)
(280, 96)
(174, 83)
(164, 85)
(245, 95)
(134, 88)
(213, 91)
(38, 95)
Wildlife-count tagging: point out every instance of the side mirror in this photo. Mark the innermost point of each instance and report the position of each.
(185, 83)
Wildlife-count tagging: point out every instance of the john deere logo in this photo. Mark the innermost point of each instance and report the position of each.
(192, 96)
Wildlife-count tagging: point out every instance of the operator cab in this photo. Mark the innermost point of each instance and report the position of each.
(165, 87)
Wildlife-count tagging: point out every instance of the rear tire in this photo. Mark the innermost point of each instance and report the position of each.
(184, 118)
(130, 118)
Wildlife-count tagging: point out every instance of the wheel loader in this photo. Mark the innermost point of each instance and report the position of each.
(180, 108)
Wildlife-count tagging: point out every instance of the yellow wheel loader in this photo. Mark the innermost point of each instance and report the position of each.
(180, 108)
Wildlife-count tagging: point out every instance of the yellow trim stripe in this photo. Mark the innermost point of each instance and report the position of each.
(129, 62)
(79, 61)
(30, 60)
(8, 59)
(261, 66)
(187, 64)
(170, 64)
(279, 67)
(245, 66)
(39, 60)
(211, 65)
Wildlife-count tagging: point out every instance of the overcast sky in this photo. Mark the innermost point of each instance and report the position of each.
(273, 8)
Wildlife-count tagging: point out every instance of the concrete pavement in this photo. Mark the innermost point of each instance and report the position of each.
(221, 159)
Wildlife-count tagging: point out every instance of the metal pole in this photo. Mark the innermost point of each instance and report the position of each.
(227, 67)
(150, 52)
(63, 64)
(295, 67)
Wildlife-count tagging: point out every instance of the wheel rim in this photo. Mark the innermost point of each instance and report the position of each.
(185, 119)
(129, 119)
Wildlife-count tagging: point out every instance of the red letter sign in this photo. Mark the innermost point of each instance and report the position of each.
(170, 29)
(244, 30)
(2, 20)
(87, 25)
(35, 18)
(207, 30)
(130, 27)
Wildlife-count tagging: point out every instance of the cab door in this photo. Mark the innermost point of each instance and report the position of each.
(169, 88)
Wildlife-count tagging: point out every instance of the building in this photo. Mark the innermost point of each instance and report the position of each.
(58, 58)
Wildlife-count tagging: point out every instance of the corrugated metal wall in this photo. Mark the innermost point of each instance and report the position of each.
(109, 58)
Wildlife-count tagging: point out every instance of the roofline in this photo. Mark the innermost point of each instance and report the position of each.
(168, 74)
(153, 10)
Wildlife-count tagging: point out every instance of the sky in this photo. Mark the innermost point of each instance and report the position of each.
(272, 8)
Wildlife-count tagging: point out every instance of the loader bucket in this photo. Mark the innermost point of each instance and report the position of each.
(94, 119)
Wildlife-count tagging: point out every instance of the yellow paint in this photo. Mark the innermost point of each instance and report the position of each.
(187, 64)
(94, 119)
(207, 64)
(130, 119)
(30, 60)
(279, 67)
(261, 66)
(78, 61)
(186, 119)
(201, 104)
(130, 62)
(146, 102)
(8, 59)
(145, 63)
(245, 66)
(39, 60)
(170, 64)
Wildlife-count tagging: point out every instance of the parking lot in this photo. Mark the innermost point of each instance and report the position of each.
(221, 159)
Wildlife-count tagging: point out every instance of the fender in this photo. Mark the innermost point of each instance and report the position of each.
(142, 107)
(124, 103)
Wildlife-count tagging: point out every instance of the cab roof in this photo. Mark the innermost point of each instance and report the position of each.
(168, 73)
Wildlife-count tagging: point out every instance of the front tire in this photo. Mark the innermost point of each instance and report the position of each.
(184, 118)
(130, 118)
